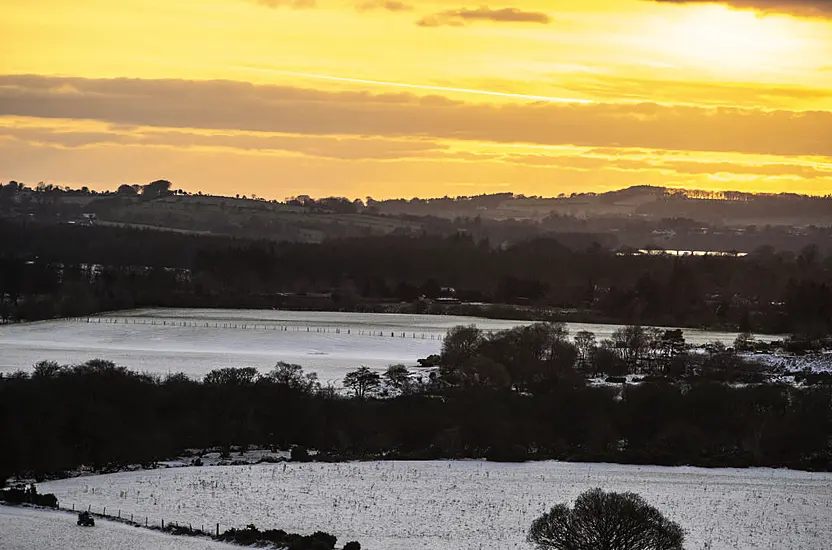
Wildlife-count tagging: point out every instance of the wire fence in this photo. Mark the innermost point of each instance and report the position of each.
(261, 327)
(149, 522)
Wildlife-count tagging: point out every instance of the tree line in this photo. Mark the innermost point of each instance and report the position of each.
(104, 416)
(53, 271)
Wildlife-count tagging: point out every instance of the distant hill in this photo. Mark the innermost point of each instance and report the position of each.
(633, 217)
(656, 203)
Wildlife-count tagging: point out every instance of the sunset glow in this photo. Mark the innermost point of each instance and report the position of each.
(419, 98)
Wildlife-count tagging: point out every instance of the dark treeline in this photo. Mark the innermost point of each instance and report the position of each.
(539, 407)
(50, 271)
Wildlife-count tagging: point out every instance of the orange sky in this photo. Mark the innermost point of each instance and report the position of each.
(397, 98)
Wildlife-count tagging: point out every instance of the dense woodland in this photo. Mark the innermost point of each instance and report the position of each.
(49, 270)
(517, 395)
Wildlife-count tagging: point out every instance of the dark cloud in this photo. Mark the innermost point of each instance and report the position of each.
(804, 8)
(389, 5)
(227, 105)
(462, 16)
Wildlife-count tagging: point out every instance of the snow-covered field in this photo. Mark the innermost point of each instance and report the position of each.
(31, 529)
(194, 341)
(466, 505)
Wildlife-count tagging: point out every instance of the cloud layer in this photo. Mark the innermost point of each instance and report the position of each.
(295, 4)
(387, 5)
(462, 16)
(228, 105)
(807, 8)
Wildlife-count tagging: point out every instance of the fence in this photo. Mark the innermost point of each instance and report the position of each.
(145, 521)
(264, 327)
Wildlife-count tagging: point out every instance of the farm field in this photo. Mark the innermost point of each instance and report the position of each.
(33, 529)
(466, 505)
(195, 341)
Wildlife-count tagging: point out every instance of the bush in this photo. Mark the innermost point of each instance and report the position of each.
(299, 454)
(251, 536)
(608, 521)
(507, 453)
(28, 495)
(352, 546)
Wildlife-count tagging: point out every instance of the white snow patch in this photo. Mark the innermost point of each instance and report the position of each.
(37, 529)
(195, 341)
(814, 362)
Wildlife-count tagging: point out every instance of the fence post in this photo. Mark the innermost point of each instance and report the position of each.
(218, 529)
(73, 506)
(104, 513)
(145, 521)
(163, 525)
(119, 513)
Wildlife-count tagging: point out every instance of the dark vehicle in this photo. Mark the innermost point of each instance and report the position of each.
(85, 519)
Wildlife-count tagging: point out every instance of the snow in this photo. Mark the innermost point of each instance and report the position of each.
(195, 341)
(814, 362)
(466, 505)
(36, 529)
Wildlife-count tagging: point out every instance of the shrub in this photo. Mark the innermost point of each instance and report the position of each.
(28, 495)
(605, 521)
(299, 454)
(507, 453)
(251, 536)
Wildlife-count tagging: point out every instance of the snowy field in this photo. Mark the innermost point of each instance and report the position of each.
(194, 341)
(31, 529)
(466, 505)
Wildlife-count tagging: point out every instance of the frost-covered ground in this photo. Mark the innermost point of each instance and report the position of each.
(33, 529)
(815, 362)
(467, 505)
(194, 341)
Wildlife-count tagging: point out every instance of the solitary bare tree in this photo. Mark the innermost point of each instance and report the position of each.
(606, 521)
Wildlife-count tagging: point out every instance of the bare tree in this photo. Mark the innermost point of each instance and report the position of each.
(397, 378)
(362, 382)
(586, 343)
(292, 376)
(606, 521)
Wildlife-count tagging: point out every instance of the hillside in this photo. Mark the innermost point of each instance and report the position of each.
(635, 217)
(645, 202)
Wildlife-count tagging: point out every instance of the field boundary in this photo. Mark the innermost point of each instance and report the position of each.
(262, 327)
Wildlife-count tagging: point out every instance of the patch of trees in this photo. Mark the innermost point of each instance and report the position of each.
(96, 414)
(278, 538)
(27, 495)
(530, 358)
(48, 271)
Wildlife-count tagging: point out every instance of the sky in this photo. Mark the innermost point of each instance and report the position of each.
(404, 98)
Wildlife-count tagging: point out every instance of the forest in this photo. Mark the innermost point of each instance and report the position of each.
(520, 396)
(50, 270)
